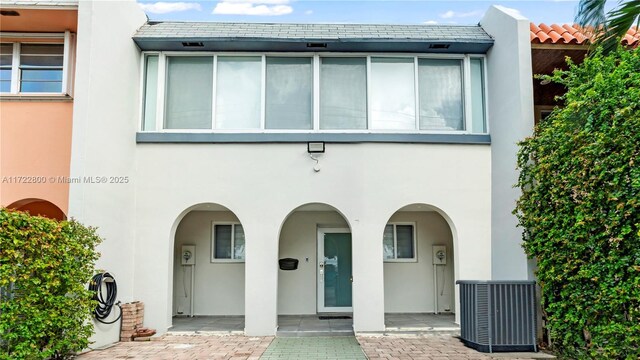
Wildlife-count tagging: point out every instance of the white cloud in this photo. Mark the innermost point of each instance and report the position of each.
(308, 12)
(454, 14)
(430, 22)
(259, 2)
(253, 7)
(168, 7)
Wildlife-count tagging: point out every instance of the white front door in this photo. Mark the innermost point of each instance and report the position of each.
(334, 270)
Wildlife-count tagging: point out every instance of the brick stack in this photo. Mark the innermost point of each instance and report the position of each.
(132, 319)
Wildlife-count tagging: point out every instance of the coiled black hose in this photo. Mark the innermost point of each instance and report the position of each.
(105, 303)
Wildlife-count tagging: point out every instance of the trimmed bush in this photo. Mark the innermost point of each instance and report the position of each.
(45, 266)
(580, 208)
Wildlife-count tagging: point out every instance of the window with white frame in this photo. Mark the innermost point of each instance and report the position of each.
(399, 242)
(35, 66)
(310, 93)
(227, 243)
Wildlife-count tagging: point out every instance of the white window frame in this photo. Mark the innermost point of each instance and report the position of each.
(67, 39)
(233, 235)
(395, 258)
(315, 57)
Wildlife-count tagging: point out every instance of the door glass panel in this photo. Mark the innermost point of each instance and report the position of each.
(337, 270)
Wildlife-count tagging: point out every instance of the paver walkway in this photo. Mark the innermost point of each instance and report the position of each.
(409, 347)
(314, 348)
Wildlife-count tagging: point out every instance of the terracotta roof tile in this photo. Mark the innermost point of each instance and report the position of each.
(572, 34)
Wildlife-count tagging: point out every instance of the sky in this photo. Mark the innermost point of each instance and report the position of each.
(355, 11)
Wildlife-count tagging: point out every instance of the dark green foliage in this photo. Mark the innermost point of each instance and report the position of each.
(580, 208)
(47, 264)
(608, 27)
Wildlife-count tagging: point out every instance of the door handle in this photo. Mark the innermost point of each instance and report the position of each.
(351, 279)
(321, 271)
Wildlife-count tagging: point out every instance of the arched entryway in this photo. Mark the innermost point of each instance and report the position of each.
(419, 271)
(316, 296)
(209, 271)
(39, 207)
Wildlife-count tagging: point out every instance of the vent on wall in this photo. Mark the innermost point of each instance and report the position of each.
(316, 45)
(439, 46)
(192, 44)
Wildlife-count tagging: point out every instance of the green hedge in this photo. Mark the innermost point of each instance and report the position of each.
(580, 208)
(45, 266)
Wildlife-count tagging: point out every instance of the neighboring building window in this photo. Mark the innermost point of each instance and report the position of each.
(289, 93)
(399, 243)
(6, 60)
(41, 68)
(228, 243)
(32, 67)
(365, 93)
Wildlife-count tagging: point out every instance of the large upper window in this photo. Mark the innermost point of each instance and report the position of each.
(332, 92)
(35, 67)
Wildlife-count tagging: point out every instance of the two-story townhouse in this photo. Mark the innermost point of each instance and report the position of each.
(37, 43)
(380, 157)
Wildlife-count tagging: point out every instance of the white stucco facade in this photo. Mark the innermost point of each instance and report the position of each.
(164, 202)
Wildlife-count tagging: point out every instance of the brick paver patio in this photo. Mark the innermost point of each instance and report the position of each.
(186, 347)
(409, 347)
(425, 347)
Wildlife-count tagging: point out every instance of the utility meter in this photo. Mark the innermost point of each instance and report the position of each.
(439, 255)
(188, 255)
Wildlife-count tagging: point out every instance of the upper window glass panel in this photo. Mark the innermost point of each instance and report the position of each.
(441, 96)
(393, 102)
(289, 97)
(238, 92)
(479, 124)
(150, 92)
(41, 68)
(189, 92)
(343, 93)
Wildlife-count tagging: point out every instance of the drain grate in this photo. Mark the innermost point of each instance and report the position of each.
(336, 317)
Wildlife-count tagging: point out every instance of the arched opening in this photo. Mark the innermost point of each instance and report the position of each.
(419, 271)
(208, 271)
(316, 296)
(39, 207)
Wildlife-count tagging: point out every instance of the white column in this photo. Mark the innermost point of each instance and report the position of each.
(261, 276)
(368, 276)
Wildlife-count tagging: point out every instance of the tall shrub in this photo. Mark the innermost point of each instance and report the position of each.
(580, 208)
(45, 266)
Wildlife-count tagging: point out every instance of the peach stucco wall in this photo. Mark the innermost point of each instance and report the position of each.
(35, 141)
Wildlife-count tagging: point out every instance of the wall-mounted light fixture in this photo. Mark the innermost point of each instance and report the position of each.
(315, 148)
